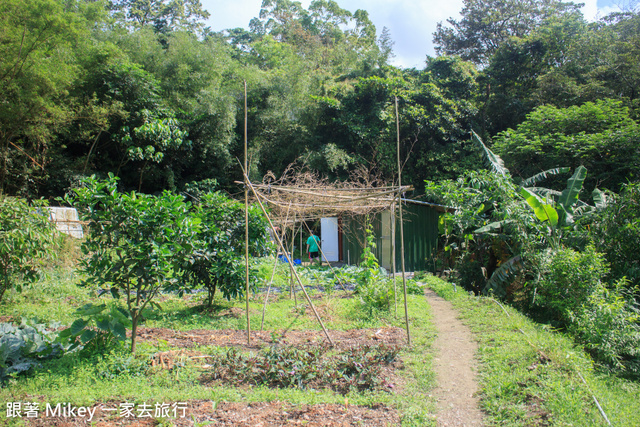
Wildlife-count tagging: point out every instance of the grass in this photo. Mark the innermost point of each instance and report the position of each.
(530, 375)
(86, 379)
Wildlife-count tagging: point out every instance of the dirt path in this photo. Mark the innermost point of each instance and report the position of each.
(455, 367)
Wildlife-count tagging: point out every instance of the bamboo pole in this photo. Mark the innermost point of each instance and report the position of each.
(404, 279)
(281, 245)
(393, 257)
(246, 214)
(266, 299)
(293, 236)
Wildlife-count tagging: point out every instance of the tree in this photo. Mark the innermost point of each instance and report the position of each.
(40, 39)
(601, 136)
(26, 236)
(136, 243)
(517, 78)
(220, 264)
(487, 24)
(435, 109)
(164, 15)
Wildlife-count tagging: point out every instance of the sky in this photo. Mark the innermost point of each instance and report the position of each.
(411, 22)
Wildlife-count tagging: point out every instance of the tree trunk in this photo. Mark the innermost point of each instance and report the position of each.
(134, 331)
(211, 295)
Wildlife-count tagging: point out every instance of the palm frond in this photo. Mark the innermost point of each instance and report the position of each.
(492, 159)
(543, 175)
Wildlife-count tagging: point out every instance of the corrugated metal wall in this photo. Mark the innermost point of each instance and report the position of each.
(420, 238)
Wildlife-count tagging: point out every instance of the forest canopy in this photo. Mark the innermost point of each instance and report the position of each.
(144, 90)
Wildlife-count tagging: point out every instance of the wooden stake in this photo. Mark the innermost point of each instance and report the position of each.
(393, 257)
(404, 279)
(293, 235)
(246, 214)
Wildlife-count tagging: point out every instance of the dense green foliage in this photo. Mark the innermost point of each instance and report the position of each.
(534, 247)
(144, 91)
(136, 242)
(26, 236)
(219, 263)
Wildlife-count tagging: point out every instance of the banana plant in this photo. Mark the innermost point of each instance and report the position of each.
(557, 210)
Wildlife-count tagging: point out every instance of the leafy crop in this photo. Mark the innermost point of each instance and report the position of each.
(97, 328)
(23, 346)
(359, 368)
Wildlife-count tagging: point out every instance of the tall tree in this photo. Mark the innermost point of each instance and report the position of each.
(40, 41)
(487, 24)
(164, 15)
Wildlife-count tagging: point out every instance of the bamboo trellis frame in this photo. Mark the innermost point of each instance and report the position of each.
(311, 198)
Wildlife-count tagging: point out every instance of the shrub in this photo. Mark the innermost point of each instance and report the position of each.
(568, 279)
(608, 325)
(617, 234)
(26, 235)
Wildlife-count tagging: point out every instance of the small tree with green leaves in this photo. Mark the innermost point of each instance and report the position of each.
(26, 236)
(136, 242)
(219, 264)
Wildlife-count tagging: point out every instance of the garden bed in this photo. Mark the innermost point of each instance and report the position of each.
(243, 415)
(392, 336)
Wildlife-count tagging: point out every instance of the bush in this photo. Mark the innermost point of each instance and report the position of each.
(219, 263)
(26, 235)
(617, 234)
(568, 279)
(608, 324)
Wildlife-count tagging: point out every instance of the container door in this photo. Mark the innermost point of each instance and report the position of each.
(329, 237)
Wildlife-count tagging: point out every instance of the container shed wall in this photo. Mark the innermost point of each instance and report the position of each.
(420, 237)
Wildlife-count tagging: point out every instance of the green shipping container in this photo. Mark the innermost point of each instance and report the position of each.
(420, 236)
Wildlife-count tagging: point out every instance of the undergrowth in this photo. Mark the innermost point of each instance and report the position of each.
(532, 375)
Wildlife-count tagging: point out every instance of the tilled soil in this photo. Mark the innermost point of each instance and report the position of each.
(265, 414)
(234, 338)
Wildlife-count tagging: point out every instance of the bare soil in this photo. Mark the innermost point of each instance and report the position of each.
(455, 367)
(266, 414)
(234, 338)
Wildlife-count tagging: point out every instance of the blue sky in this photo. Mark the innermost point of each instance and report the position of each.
(411, 22)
